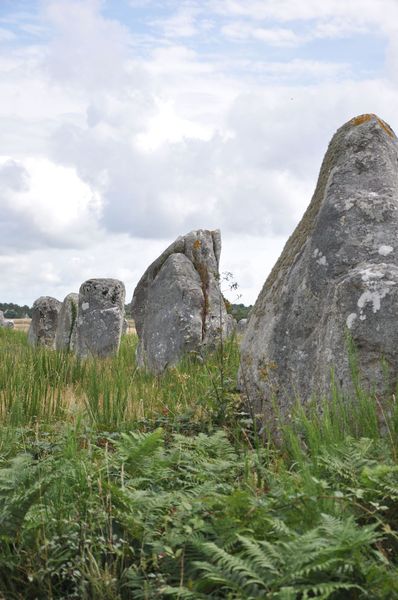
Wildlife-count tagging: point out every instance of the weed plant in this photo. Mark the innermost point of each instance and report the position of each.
(115, 484)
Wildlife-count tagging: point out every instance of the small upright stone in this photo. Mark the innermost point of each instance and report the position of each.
(125, 329)
(6, 323)
(43, 327)
(65, 337)
(241, 326)
(100, 317)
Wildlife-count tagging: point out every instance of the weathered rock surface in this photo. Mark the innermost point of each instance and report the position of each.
(125, 327)
(65, 337)
(7, 323)
(174, 308)
(241, 326)
(100, 317)
(177, 305)
(338, 273)
(44, 322)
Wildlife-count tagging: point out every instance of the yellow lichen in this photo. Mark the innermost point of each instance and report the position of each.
(361, 119)
(386, 127)
(205, 282)
(369, 117)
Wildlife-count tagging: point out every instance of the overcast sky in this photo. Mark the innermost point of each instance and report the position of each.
(125, 123)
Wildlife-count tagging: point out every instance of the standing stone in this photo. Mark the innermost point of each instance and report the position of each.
(241, 326)
(100, 317)
(337, 275)
(43, 325)
(65, 337)
(174, 309)
(177, 305)
(125, 328)
(6, 323)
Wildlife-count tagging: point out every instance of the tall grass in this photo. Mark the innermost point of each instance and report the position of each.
(42, 386)
(330, 420)
(118, 485)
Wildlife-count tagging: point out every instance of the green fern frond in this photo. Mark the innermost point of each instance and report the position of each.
(21, 486)
(134, 448)
(262, 554)
(182, 593)
(323, 591)
(228, 569)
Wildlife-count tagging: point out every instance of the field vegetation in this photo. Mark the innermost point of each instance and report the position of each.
(115, 484)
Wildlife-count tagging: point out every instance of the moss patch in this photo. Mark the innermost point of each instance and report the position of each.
(73, 321)
(204, 279)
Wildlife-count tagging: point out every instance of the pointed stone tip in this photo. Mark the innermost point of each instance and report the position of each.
(372, 118)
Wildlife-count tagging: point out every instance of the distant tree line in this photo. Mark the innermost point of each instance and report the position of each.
(14, 311)
(239, 311)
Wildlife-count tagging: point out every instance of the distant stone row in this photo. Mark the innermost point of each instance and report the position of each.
(89, 323)
(177, 307)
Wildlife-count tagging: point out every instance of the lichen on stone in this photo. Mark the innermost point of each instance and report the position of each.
(372, 117)
(360, 119)
(297, 240)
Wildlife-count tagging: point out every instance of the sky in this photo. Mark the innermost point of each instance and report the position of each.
(126, 123)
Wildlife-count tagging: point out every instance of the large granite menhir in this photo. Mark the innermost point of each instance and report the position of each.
(43, 326)
(177, 305)
(65, 337)
(100, 317)
(337, 275)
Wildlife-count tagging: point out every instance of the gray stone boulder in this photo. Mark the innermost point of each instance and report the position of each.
(177, 305)
(174, 325)
(6, 323)
(100, 318)
(241, 326)
(125, 327)
(65, 336)
(43, 326)
(336, 279)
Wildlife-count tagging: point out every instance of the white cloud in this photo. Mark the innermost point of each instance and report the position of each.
(181, 24)
(116, 142)
(276, 36)
(167, 126)
(31, 273)
(86, 50)
(45, 204)
(284, 37)
(358, 11)
(310, 20)
(297, 70)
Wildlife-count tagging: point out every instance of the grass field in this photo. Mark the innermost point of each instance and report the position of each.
(115, 484)
(23, 325)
